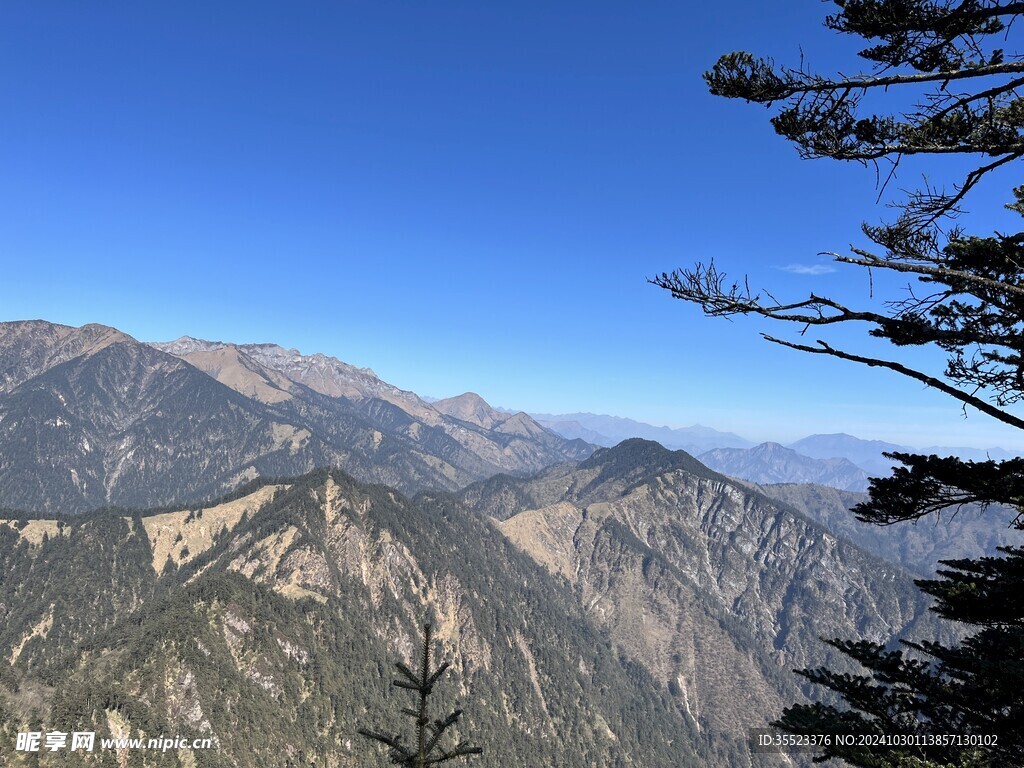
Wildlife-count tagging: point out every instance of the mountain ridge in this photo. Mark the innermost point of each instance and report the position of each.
(602, 610)
(234, 633)
(606, 431)
(675, 563)
(90, 417)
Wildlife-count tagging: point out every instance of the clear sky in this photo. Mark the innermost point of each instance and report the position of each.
(460, 195)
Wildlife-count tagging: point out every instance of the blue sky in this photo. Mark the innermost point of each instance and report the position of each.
(459, 195)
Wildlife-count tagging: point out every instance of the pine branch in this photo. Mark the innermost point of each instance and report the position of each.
(728, 68)
(426, 744)
(873, 261)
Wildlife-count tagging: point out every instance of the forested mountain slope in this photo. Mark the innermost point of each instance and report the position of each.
(639, 610)
(717, 590)
(272, 621)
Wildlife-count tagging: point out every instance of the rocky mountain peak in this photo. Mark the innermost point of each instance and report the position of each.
(520, 424)
(292, 356)
(185, 345)
(470, 407)
(772, 448)
(636, 452)
(30, 347)
(321, 373)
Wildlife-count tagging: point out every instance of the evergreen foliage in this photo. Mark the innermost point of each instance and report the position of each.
(968, 302)
(428, 750)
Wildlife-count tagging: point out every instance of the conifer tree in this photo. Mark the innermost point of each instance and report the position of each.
(954, 62)
(427, 749)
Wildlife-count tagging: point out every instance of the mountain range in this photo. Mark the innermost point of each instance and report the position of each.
(610, 430)
(235, 541)
(90, 417)
(634, 608)
(772, 463)
(836, 460)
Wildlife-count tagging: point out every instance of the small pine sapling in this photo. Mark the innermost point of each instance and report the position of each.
(428, 734)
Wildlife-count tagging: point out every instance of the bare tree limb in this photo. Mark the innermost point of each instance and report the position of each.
(931, 381)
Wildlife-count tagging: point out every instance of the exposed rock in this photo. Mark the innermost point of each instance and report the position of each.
(716, 590)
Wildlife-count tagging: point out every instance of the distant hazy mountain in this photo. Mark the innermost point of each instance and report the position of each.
(969, 454)
(772, 463)
(573, 430)
(867, 454)
(91, 417)
(611, 430)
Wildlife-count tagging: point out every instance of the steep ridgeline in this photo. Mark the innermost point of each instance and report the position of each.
(268, 621)
(89, 417)
(715, 589)
(458, 443)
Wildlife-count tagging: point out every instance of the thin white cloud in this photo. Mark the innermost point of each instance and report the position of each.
(808, 269)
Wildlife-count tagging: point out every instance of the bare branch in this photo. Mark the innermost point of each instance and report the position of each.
(970, 181)
(931, 381)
